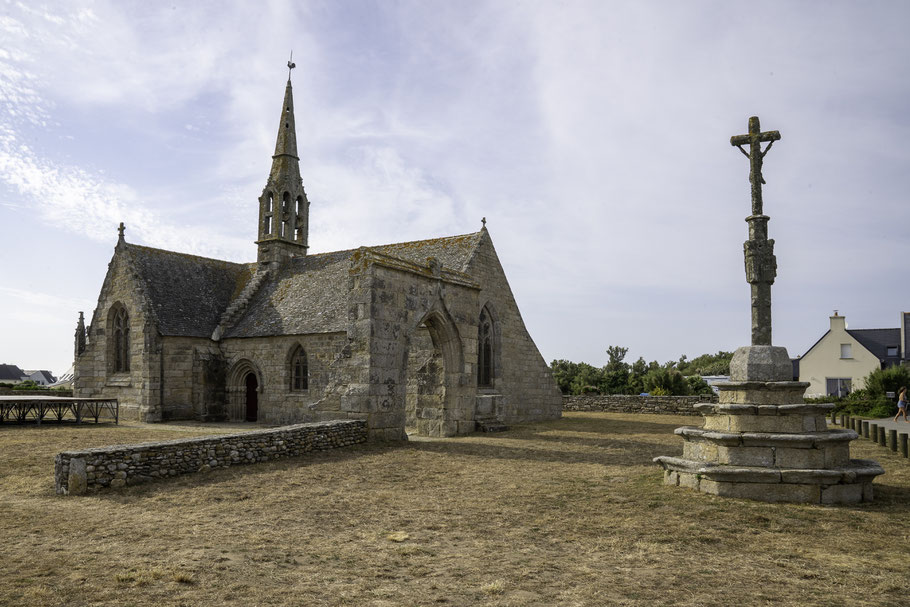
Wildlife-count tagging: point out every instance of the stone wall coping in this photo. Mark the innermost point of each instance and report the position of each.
(768, 439)
(209, 439)
(858, 470)
(736, 409)
(634, 403)
(762, 385)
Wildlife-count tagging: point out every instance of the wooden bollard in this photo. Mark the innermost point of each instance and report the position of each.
(881, 436)
(903, 440)
(865, 429)
(873, 432)
(833, 417)
(892, 441)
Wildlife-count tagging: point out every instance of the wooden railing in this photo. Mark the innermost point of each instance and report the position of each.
(57, 409)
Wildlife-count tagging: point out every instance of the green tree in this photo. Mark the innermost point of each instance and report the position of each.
(666, 381)
(588, 380)
(706, 364)
(637, 375)
(698, 386)
(564, 372)
(616, 372)
(892, 379)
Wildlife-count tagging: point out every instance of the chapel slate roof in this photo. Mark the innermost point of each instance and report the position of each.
(187, 293)
(310, 294)
(878, 341)
(453, 252)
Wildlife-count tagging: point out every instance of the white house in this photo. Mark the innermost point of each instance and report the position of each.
(839, 362)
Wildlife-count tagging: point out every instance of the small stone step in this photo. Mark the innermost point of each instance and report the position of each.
(491, 425)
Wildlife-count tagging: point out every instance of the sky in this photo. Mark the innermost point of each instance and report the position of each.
(593, 136)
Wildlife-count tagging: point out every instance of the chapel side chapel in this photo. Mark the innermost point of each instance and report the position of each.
(421, 336)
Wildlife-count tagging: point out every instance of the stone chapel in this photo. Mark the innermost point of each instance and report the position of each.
(417, 337)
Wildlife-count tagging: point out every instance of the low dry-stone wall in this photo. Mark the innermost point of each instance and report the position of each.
(620, 403)
(76, 472)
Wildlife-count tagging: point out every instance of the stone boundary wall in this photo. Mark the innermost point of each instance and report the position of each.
(621, 403)
(76, 472)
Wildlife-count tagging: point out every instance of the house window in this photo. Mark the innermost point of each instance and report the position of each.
(300, 379)
(485, 351)
(837, 386)
(120, 339)
(892, 351)
(846, 350)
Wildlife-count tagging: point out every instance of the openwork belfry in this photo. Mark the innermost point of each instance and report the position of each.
(420, 336)
(761, 440)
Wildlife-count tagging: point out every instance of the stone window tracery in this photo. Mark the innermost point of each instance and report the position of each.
(300, 379)
(485, 350)
(120, 339)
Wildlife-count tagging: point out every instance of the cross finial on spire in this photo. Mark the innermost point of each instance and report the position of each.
(291, 65)
(120, 231)
(483, 220)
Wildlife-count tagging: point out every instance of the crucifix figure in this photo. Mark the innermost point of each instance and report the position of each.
(761, 264)
(755, 155)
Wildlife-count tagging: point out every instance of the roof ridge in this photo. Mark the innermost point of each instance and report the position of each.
(157, 250)
(389, 244)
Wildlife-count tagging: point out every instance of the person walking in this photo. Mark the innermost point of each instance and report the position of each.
(902, 404)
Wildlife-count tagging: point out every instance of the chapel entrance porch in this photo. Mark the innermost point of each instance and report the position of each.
(435, 386)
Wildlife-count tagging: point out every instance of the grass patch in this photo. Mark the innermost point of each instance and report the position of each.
(570, 512)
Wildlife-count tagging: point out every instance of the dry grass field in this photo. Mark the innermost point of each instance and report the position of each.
(570, 512)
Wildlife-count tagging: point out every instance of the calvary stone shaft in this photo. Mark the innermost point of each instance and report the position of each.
(761, 265)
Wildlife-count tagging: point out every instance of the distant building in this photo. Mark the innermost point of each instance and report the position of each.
(41, 377)
(11, 374)
(840, 360)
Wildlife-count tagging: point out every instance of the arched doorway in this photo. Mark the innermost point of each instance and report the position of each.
(434, 382)
(245, 384)
(252, 397)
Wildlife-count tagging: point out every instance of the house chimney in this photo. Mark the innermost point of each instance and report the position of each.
(838, 323)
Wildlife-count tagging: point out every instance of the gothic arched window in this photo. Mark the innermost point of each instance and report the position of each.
(300, 373)
(298, 236)
(285, 214)
(120, 339)
(267, 216)
(485, 350)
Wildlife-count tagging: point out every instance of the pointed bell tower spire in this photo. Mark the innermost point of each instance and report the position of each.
(284, 210)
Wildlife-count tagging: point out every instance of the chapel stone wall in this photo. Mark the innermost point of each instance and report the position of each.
(390, 305)
(270, 357)
(521, 376)
(139, 389)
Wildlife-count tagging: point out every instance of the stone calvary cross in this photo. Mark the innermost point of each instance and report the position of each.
(761, 265)
(754, 139)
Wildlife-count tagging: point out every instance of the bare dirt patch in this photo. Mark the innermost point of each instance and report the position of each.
(570, 512)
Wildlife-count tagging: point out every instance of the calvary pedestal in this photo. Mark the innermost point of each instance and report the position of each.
(761, 441)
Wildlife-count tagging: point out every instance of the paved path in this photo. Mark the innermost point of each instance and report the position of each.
(901, 426)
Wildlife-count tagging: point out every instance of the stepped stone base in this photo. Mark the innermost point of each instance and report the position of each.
(752, 448)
